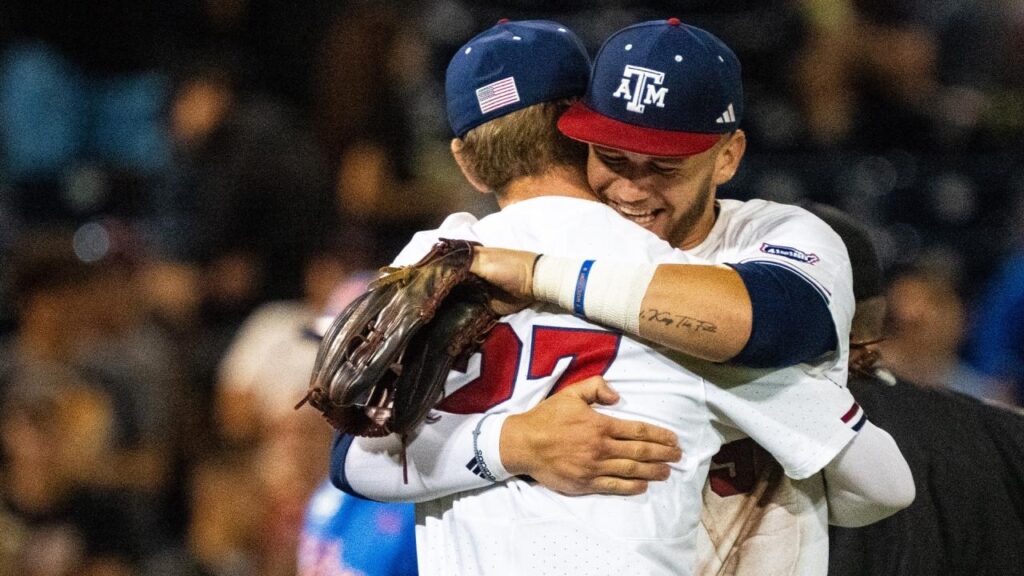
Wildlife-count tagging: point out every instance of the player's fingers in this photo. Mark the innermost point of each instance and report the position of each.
(618, 486)
(641, 451)
(633, 470)
(594, 390)
(643, 431)
(510, 270)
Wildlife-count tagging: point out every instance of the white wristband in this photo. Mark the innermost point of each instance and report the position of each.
(615, 293)
(554, 280)
(607, 292)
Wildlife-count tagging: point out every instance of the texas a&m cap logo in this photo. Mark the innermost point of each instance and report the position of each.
(641, 87)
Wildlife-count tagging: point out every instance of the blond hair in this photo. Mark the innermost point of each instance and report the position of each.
(523, 143)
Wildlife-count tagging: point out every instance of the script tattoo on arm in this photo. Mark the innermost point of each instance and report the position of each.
(678, 320)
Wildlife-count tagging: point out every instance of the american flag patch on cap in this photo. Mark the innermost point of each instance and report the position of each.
(497, 94)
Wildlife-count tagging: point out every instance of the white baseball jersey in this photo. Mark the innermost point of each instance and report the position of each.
(792, 238)
(518, 527)
(786, 535)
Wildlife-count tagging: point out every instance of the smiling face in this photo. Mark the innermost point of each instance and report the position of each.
(672, 197)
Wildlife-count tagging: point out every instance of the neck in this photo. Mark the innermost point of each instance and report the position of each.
(700, 230)
(558, 181)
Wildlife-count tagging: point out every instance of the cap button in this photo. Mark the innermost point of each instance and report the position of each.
(503, 21)
(674, 22)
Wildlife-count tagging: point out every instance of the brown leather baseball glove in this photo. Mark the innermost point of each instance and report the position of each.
(383, 363)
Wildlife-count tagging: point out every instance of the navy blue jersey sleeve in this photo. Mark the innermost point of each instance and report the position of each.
(791, 318)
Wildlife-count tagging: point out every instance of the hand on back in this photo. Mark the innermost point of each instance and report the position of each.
(567, 446)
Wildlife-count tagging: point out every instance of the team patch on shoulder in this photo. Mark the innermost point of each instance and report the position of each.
(788, 252)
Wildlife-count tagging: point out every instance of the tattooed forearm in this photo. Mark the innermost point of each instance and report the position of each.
(678, 320)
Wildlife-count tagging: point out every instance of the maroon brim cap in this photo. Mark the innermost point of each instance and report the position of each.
(581, 123)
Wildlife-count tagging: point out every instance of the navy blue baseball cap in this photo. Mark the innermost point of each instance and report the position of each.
(511, 66)
(660, 88)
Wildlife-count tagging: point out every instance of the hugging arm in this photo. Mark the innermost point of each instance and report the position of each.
(869, 480)
(756, 314)
(562, 443)
(373, 468)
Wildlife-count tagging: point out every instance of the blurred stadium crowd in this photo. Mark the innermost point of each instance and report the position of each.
(185, 184)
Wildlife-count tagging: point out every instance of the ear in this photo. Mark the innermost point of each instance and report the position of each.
(727, 162)
(868, 319)
(457, 145)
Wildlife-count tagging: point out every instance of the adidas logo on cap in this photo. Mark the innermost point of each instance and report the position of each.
(727, 117)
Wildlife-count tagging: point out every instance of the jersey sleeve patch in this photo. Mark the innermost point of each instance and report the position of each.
(790, 252)
(855, 417)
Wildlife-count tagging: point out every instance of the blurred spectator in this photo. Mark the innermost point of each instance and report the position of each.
(134, 359)
(344, 534)
(263, 375)
(996, 346)
(851, 48)
(381, 121)
(81, 93)
(248, 198)
(880, 74)
(55, 434)
(250, 195)
(78, 312)
(227, 497)
(925, 327)
(965, 455)
(367, 61)
(266, 369)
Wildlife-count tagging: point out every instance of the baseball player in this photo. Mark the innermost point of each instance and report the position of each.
(535, 353)
(661, 116)
(658, 151)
